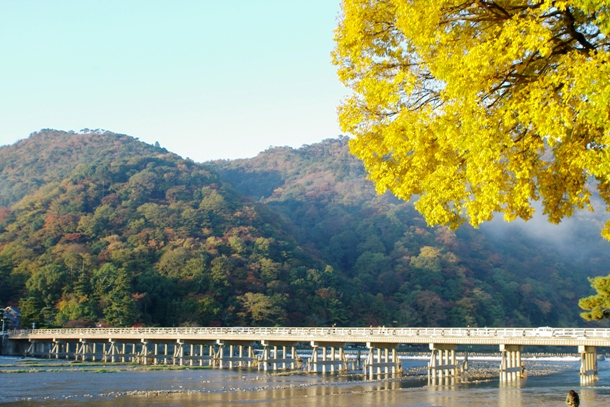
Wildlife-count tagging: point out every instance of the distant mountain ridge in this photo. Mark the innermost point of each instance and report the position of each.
(49, 155)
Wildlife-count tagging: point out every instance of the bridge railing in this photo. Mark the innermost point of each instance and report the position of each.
(318, 332)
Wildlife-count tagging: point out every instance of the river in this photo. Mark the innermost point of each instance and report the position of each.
(58, 383)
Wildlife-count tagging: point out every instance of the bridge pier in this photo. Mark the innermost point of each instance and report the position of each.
(333, 357)
(86, 349)
(179, 352)
(60, 348)
(220, 356)
(41, 349)
(274, 360)
(443, 363)
(588, 364)
(511, 367)
(117, 351)
(160, 353)
(380, 360)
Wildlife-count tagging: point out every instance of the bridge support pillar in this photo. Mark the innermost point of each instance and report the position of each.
(41, 349)
(144, 352)
(212, 356)
(324, 353)
(117, 351)
(379, 360)
(331, 360)
(220, 354)
(265, 357)
(165, 353)
(55, 349)
(82, 350)
(275, 355)
(443, 363)
(179, 352)
(61, 349)
(588, 364)
(511, 367)
(112, 350)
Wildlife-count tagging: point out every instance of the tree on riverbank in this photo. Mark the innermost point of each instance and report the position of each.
(597, 306)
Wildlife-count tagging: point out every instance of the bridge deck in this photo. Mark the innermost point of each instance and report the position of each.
(460, 336)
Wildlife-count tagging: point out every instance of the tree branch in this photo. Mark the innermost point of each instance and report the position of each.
(578, 36)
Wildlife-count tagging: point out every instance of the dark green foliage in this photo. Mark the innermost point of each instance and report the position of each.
(597, 307)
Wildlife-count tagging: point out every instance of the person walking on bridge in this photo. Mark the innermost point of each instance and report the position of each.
(572, 399)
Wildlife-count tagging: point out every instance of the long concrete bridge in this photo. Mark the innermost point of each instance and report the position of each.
(276, 348)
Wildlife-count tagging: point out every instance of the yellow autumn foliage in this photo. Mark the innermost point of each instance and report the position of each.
(479, 107)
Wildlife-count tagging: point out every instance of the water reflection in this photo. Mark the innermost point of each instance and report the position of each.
(510, 394)
(592, 397)
(443, 381)
(216, 388)
(326, 396)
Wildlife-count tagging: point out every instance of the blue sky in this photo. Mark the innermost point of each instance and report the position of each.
(207, 79)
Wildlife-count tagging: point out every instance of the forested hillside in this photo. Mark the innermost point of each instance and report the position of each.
(412, 274)
(99, 228)
(150, 239)
(51, 155)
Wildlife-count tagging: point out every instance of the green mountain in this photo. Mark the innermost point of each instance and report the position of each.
(136, 235)
(503, 274)
(97, 227)
(50, 155)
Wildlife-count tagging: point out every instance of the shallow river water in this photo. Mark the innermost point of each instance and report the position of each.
(54, 383)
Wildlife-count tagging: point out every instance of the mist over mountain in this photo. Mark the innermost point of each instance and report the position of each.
(97, 227)
(518, 273)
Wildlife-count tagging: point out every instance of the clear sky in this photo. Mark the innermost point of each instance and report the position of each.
(207, 79)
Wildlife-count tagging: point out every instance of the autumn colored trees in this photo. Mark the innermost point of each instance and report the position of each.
(291, 237)
(152, 239)
(403, 272)
(479, 107)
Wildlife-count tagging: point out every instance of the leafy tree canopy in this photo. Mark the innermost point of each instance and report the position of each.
(479, 107)
(597, 307)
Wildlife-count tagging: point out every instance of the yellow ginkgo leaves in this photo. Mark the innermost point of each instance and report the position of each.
(479, 107)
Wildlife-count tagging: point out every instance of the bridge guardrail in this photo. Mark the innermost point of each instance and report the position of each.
(325, 331)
